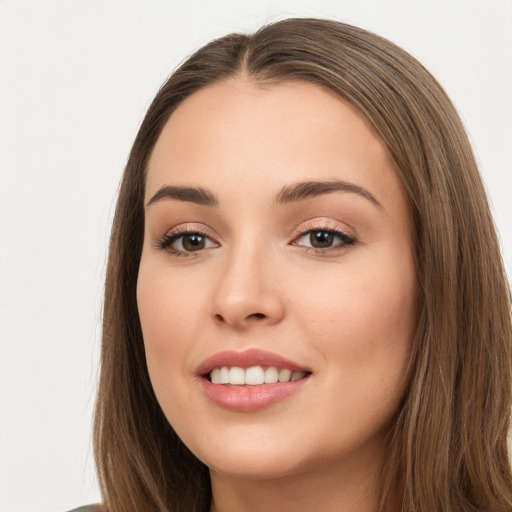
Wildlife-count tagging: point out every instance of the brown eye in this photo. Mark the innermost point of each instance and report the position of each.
(185, 243)
(321, 239)
(193, 242)
(324, 239)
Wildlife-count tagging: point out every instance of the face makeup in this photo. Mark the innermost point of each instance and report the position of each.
(250, 380)
(277, 288)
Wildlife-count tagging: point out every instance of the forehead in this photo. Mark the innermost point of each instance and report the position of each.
(243, 134)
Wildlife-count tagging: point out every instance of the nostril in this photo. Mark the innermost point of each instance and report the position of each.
(257, 315)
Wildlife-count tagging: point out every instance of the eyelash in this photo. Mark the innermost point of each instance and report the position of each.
(346, 240)
(166, 242)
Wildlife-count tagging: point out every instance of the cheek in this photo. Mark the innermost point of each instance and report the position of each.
(360, 301)
(363, 318)
(166, 299)
(168, 310)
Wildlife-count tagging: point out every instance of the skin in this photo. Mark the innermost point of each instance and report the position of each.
(348, 312)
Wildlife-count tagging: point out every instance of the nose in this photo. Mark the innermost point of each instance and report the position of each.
(248, 291)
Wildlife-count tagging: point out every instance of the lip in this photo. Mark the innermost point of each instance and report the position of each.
(248, 398)
(246, 359)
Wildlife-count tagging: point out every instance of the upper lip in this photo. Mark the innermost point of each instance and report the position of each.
(246, 359)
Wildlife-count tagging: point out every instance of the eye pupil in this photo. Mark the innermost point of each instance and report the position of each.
(193, 242)
(321, 239)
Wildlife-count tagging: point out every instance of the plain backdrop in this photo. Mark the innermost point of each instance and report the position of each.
(76, 77)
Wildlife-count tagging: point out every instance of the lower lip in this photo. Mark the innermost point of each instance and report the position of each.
(250, 398)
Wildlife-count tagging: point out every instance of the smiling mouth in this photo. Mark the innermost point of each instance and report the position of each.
(254, 375)
(251, 380)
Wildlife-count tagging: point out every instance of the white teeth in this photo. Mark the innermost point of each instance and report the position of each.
(284, 375)
(236, 376)
(224, 375)
(253, 376)
(297, 376)
(271, 375)
(215, 376)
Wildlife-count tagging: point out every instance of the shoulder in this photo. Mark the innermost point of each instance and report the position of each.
(87, 508)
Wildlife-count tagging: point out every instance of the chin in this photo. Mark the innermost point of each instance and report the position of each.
(254, 456)
(256, 467)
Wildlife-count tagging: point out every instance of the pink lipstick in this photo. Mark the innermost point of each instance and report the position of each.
(251, 380)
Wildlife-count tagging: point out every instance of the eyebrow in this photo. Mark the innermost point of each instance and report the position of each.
(288, 194)
(307, 189)
(195, 195)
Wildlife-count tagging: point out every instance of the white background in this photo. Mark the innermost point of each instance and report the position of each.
(76, 77)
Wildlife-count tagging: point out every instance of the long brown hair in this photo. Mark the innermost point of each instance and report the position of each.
(448, 446)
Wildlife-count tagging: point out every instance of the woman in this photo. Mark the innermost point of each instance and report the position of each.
(305, 302)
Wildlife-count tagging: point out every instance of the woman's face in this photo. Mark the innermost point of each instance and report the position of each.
(277, 287)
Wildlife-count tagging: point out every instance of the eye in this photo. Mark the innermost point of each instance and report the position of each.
(181, 243)
(324, 239)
